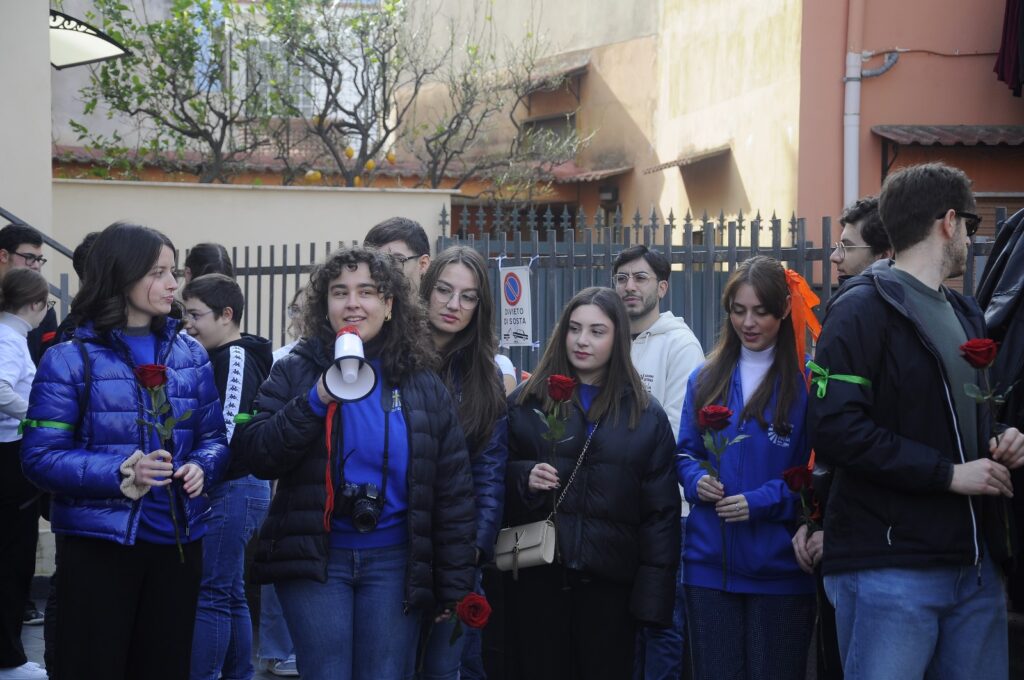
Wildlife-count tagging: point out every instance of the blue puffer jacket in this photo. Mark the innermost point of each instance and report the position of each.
(759, 555)
(81, 467)
(489, 487)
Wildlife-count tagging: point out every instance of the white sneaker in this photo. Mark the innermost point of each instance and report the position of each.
(26, 671)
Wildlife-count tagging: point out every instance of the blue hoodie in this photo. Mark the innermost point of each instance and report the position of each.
(759, 555)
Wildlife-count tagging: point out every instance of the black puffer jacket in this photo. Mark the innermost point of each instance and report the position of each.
(892, 446)
(285, 440)
(620, 518)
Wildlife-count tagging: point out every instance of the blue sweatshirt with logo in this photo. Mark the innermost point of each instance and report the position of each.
(758, 554)
(361, 435)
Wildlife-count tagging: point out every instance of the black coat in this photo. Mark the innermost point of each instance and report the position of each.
(620, 517)
(285, 440)
(892, 446)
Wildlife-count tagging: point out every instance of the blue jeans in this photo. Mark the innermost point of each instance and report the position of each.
(459, 661)
(938, 623)
(353, 626)
(275, 640)
(222, 641)
(659, 651)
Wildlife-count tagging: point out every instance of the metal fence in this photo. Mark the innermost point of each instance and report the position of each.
(566, 253)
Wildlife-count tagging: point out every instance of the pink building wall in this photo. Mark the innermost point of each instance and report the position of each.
(923, 88)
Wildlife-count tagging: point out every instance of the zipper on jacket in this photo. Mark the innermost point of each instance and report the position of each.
(949, 403)
(397, 399)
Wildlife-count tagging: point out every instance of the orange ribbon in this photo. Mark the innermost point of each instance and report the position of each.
(802, 301)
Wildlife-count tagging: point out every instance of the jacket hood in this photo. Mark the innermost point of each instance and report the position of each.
(258, 349)
(667, 323)
(311, 350)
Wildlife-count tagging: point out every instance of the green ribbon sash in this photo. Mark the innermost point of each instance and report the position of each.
(820, 377)
(55, 424)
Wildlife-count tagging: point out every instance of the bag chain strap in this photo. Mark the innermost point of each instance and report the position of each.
(579, 462)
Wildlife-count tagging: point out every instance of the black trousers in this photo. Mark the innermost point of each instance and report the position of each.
(19, 533)
(568, 625)
(126, 611)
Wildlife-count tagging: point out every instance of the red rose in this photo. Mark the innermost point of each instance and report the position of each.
(151, 376)
(560, 387)
(797, 478)
(980, 352)
(714, 417)
(473, 610)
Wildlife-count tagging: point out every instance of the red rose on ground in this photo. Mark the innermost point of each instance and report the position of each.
(714, 417)
(473, 610)
(797, 478)
(151, 375)
(980, 352)
(560, 387)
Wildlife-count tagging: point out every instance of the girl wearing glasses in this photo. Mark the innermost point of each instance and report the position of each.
(373, 522)
(618, 520)
(749, 607)
(127, 502)
(23, 294)
(460, 311)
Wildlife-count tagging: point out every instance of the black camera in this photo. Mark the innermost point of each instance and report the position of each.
(363, 503)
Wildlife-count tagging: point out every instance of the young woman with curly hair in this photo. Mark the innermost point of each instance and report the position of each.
(373, 523)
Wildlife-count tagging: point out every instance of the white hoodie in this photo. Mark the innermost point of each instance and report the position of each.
(665, 355)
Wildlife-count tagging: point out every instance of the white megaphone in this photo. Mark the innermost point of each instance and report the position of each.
(350, 377)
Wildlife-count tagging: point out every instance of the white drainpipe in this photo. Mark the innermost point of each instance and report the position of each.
(851, 129)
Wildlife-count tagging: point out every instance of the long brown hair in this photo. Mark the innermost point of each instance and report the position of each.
(401, 351)
(619, 374)
(768, 279)
(469, 356)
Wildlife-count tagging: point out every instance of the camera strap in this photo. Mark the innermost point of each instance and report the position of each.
(387, 406)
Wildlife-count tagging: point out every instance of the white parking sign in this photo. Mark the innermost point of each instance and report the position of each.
(516, 309)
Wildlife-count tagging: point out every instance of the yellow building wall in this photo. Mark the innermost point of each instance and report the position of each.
(729, 74)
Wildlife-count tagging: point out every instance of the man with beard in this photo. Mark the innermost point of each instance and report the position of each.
(664, 352)
(914, 527)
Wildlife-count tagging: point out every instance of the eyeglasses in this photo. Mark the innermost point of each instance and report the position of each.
(622, 278)
(841, 248)
(31, 258)
(971, 221)
(196, 316)
(444, 293)
(402, 259)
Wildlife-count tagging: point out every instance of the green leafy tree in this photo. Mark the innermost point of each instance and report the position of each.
(475, 129)
(343, 71)
(181, 84)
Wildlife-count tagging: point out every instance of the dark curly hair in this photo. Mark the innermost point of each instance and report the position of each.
(403, 348)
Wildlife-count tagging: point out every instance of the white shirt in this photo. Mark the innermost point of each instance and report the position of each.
(17, 370)
(753, 367)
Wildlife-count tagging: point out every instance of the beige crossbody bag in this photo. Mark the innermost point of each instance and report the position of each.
(533, 544)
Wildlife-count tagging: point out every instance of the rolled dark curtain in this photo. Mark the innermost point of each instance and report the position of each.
(1010, 60)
